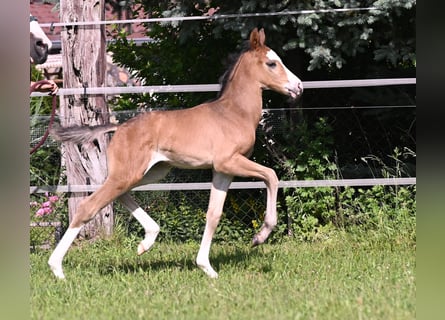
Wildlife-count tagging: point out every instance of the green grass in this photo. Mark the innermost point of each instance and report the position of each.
(346, 276)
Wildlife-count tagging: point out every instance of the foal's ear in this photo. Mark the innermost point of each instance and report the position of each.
(257, 38)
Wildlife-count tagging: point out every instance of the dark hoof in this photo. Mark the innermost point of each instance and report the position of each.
(255, 241)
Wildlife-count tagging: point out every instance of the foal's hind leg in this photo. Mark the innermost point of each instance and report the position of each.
(155, 173)
(86, 211)
(150, 226)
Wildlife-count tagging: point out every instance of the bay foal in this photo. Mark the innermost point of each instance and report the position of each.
(217, 135)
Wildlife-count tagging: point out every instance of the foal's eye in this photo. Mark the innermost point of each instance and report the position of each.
(271, 64)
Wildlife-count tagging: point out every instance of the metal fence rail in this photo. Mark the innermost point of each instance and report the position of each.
(217, 87)
(234, 185)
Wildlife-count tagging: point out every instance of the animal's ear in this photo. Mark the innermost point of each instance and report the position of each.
(257, 38)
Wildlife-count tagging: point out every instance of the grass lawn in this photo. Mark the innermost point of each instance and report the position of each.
(344, 277)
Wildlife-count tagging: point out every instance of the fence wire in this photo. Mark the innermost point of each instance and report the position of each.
(361, 133)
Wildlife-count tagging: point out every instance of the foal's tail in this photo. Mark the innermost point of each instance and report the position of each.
(81, 134)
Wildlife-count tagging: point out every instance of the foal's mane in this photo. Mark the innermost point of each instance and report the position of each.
(232, 62)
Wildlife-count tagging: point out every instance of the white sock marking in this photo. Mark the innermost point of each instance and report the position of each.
(151, 229)
(55, 260)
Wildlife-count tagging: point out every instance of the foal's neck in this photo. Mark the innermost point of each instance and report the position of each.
(243, 94)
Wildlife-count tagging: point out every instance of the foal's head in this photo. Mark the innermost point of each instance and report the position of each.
(269, 69)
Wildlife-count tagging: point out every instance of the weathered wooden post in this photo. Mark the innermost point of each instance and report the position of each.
(83, 51)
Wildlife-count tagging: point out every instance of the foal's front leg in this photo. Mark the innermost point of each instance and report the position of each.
(243, 167)
(220, 185)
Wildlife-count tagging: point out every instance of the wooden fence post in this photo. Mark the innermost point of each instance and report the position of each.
(84, 64)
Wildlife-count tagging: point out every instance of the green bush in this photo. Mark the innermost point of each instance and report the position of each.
(181, 216)
(315, 212)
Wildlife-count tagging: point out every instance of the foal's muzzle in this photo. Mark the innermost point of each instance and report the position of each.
(295, 89)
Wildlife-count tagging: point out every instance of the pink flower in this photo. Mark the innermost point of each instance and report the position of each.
(53, 198)
(46, 207)
(40, 212)
(46, 204)
(43, 211)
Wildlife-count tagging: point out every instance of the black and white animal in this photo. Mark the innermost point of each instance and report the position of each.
(40, 43)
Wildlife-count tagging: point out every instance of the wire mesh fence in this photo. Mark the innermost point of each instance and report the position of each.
(364, 139)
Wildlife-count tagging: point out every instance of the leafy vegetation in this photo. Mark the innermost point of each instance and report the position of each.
(314, 212)
(360, 43)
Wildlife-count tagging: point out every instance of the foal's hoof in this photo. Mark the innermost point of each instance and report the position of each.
(256, 241)
(208, 270)
(141, 249)
(57, 271)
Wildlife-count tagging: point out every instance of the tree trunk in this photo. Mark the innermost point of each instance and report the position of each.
(83, 52)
